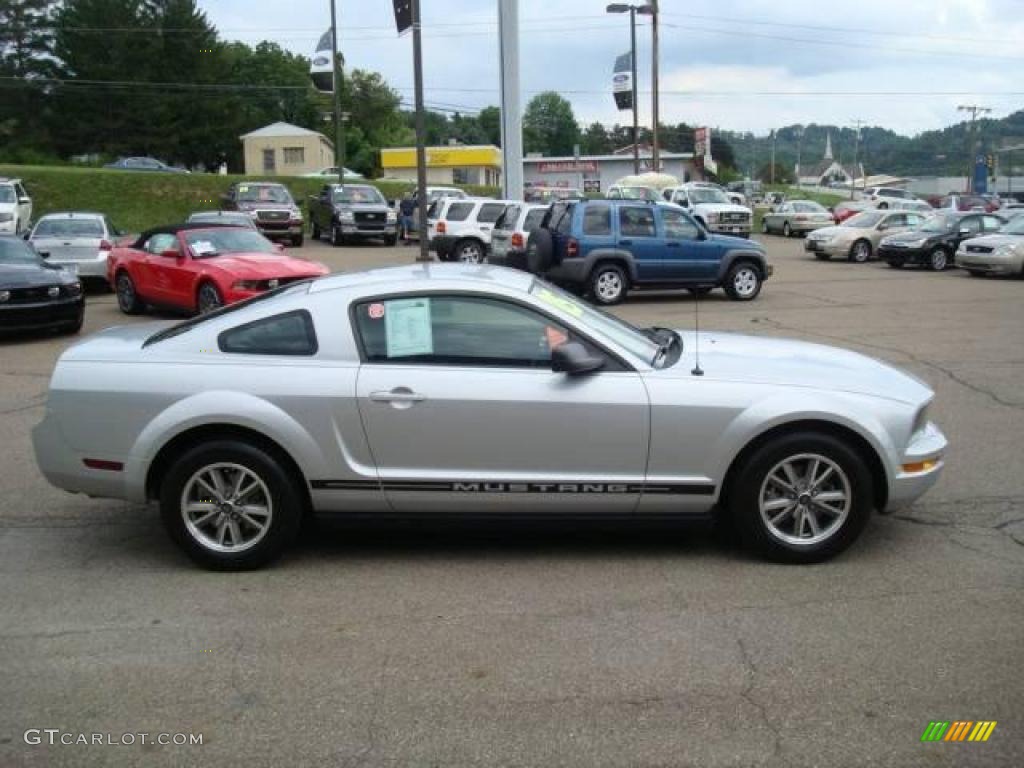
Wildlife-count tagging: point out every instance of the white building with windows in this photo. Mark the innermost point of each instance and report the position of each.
(283, 149)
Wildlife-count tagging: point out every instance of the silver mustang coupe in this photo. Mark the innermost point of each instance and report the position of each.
(441, 389)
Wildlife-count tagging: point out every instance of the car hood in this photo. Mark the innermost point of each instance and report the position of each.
(913, 235)
(369, 207)
(256, 205)
(7, 207)
(789, 362)
(32, 275)
(736, 242)
(995, 241)
(721, 208)
(260, 266)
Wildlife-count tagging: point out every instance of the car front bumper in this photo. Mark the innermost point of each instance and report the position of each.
(41, 315)
(369, 230)
(827, 248)
(905, 487)
(989, 263)
(272, 230)
(903, 255)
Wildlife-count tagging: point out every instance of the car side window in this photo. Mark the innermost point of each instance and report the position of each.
(562, 218)
(635, 221)
(678, 225)
(459, 211)
(597, 220)
(290, 333)
(457, 330)
(489, 212)
(161, 242)
(991, 223)
(971, 224)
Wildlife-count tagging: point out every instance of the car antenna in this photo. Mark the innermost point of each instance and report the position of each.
(697, 370)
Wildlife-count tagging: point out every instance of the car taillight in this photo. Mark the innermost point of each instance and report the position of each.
(801, 217)
(441, 228)
(106, 245)
(517, 240)
(572, 248)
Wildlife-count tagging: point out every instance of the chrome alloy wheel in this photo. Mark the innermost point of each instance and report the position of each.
(805, 499)
(226, 508)
(471, 253)
(609, 286)
(745, 282)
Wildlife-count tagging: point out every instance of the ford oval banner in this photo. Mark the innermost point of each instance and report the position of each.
(321, 70)
(622, 81)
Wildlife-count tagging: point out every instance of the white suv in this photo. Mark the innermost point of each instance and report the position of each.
(712, 208)
(882, 197)
(15, 206)
(460, 230)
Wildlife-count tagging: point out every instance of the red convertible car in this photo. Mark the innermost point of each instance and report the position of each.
(200, 267)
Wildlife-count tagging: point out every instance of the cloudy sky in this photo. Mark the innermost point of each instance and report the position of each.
(903, 65)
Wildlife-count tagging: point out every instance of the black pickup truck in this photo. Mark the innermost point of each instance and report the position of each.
(347, 212)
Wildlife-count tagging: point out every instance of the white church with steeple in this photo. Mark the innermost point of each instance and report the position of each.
(828, 170)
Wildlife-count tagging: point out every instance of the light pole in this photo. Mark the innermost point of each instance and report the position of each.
(799, 151)
(652, 9)
(632, 10)
(771, 167)
(975, 110)
(339, 128)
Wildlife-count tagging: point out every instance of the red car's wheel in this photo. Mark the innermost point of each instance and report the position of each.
(209, 298)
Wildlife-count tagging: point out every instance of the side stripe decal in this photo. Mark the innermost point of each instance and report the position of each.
(474, 486)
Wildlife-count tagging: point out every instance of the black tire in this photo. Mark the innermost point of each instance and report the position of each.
(975, 273)
(938, 259)
(314, 230)
(208, 298)
(743, 281)
(822, 256)
(540, 251)
(750, 484)
(337, 238)
(860, 251)
(391, 241)
(469, 251)
(896, 263)
(883, 206)
(283, 500)
(127, 298)
(297, 241)
(787, 231)
(608, 284)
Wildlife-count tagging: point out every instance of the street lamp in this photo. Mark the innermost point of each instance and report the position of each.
(648, 9)
(799, 150)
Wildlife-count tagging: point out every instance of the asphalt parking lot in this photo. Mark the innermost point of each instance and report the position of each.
(552, 646)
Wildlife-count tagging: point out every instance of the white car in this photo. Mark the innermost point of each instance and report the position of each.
(15, 207)
(77, 240)
(511, 233)
(332, 173)
(883, 197)
(462, 228)
(712, 208)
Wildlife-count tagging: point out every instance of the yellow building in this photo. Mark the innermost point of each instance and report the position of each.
(457, 164)
(282, 149)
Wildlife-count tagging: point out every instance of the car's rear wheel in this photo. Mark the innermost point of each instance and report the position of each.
(938, 259)
(470, 252)
(127, 298)
(860, 252)
(208, 299)
(787, 230)
(297, 241)
(801, 498)
(743, 281)
(608, 284)
(896, 263)
(230, 505)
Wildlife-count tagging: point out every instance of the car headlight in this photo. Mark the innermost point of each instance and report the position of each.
(250, 285)
(1004, 252)
(346, 216)
(5, 296)
(296, 214)
(392, 217)
(73, 289)
(6, 217)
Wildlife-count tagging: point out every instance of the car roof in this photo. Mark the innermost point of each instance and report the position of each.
(73, 214)
(232, 214)
(5, 180)
(258, 184)
(420, 276)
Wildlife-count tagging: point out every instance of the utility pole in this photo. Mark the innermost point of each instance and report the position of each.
(799, 150)
(857, 124)
(339, 128)
(636, 107)
(511, 119)
(421, 134)
(972, 139)
(655, 151)
(771, 164)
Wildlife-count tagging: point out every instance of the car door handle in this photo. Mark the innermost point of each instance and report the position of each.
(397, 395)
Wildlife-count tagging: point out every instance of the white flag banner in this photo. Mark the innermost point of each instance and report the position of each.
(622, 81)
(321, 69)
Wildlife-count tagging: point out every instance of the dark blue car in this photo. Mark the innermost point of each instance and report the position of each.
(608, 247)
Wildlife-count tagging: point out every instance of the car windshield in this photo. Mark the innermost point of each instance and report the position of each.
(69, 228)
(217, 242)
(619, 331)
(6, 194)
(863, 220)
(809, 206)
(1014, 227)
(264, 194)
(637, 193)
(222, 217)
(16, 251)
(359, 195)
(708, 195)
(939, 224)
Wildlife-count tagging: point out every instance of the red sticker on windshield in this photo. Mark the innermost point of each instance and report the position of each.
(376, 311)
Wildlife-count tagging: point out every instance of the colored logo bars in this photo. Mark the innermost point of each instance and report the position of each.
(958, 730)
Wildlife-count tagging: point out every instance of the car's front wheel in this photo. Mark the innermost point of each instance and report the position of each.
(208, 299)
(608, 284)
(337, 238)
(787, 230)
(938, 259)
(860, 252)
(743, 282)
(230, 505)
(297, 241)
(801, 498)
(314, 230)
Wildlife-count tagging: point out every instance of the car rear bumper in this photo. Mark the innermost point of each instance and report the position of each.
(442, 244)
(89, 268)
(512, 257)
(51, 314)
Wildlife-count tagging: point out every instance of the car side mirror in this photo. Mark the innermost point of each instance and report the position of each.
(170, 253)
(573, 359)
(24, 200)
(964, 231)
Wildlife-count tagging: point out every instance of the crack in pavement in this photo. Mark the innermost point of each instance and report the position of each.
(896, 350)
(746, 694)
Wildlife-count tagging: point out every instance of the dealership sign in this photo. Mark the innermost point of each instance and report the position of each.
(622, 81)
(321, 68)
(568, 166)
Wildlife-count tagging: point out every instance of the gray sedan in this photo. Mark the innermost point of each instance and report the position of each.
(432, 390)
(796, 217)
(77, 240)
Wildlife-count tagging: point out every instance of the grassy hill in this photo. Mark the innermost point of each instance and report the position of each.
(135, 200)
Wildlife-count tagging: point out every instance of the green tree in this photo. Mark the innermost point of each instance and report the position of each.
(26, 44)
(783, 174)
(489, 121)
(596, 141)
(549, 125)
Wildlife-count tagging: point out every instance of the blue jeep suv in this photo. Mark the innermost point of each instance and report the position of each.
(607, 247)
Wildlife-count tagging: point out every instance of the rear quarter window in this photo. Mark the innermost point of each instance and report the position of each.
(597, 220)
(289, 334)
(459, 211)
(489, 212)
(533, 219)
